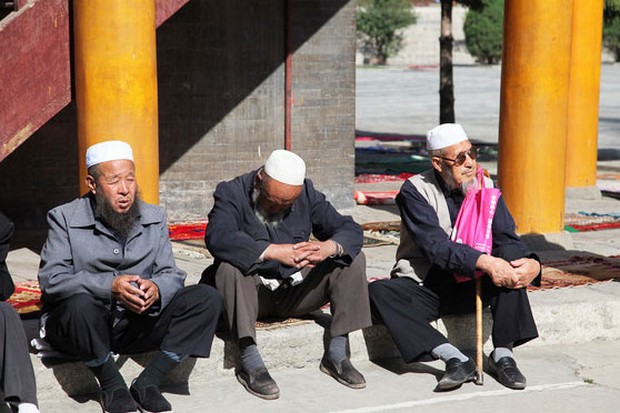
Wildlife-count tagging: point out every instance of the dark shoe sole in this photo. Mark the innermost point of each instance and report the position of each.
(143, 410)
(246, 385)
(335, 375)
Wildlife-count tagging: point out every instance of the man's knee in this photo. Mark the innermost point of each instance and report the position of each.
(80, 307)
(204, 296)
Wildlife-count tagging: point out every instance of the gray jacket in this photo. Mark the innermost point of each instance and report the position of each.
(81, 255)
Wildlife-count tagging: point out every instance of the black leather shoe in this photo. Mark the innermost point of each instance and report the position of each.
(150, 400)
(507, 373)
(259, 383)
(457, 373)
(118, 401)
(344, 373)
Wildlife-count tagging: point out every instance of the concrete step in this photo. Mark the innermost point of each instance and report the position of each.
(564, 316)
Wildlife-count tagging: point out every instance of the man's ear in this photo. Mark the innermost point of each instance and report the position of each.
(91, 183)
(437, 164)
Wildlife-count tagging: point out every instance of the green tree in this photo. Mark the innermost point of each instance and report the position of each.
(483, 31)
(378, 26)
(611, 27)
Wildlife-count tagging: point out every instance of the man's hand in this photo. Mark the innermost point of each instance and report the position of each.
(527, 269)
(501, 272)
(319, 250)
(134, 293)
(514, 274)
(300, 255)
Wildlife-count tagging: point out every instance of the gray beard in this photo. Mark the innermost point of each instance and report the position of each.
(464, 187)
(270, 220)
(121, 224)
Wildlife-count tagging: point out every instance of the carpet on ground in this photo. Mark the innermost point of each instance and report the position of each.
(590, 221)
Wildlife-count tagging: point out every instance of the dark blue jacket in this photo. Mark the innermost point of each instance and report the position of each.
(236, 236)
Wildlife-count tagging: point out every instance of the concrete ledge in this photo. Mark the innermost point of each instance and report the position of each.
(564, 316)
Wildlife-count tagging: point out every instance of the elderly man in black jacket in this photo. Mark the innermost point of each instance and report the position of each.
(267, 265)
(423, 286)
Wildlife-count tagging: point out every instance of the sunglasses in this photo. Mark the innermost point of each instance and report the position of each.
(462, 157)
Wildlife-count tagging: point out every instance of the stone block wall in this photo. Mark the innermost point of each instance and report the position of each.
(221, 108)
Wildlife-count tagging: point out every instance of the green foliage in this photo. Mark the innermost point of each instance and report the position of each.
(611, 27)
(483, 31)
(378, 25)
(611, 36)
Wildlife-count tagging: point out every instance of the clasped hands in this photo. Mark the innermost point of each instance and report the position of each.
(135, 293)
(509, 274)
(301, 255)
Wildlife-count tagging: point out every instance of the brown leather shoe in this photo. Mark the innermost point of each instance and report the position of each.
(259, 383)
(344, 373)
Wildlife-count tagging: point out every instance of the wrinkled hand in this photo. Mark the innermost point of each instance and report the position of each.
(514, 274)
(137, 298)
(501, 272)
(527, 269)
(300, 255)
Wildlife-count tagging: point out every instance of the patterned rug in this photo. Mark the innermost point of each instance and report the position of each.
(27, 297)
(590, 221)
(579, 270)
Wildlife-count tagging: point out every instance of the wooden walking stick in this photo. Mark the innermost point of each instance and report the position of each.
(479, 372)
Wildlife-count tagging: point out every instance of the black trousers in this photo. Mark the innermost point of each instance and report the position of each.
(406, 308)
(82, 326)
(16, 374)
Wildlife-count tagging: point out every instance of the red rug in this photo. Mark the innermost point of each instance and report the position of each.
(187, 230)
(26, 298)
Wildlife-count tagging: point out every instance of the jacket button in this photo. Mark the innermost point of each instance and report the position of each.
(116, 250)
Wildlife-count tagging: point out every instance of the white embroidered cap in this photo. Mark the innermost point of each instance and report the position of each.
(286, 167)
(445, 135)
(108, 151)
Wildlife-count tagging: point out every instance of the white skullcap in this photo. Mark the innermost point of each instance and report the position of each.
(286, 167)
(108, 151)
(445, 135)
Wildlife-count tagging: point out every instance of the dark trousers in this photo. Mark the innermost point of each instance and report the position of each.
(406, 308)
(16, 374)
(246, 299)
(82, 326)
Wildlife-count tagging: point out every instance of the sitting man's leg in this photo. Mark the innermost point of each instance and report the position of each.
(17, 375)
(513, 325)
(407, 309)
(78, 326)
(184, 328)
(346, 288)
(241, 303)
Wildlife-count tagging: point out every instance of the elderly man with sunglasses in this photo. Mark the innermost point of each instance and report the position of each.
(423, 286)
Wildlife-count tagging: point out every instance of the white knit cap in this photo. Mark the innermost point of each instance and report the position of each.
(445, 135)
(286, 167)
(108, 151)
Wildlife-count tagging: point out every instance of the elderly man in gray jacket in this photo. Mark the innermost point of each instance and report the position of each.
(110, 284)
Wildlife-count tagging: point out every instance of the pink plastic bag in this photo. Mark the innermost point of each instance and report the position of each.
(473, 225)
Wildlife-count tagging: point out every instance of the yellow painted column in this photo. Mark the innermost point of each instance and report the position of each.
(533, 108)
(116, 82)
(584, 89)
